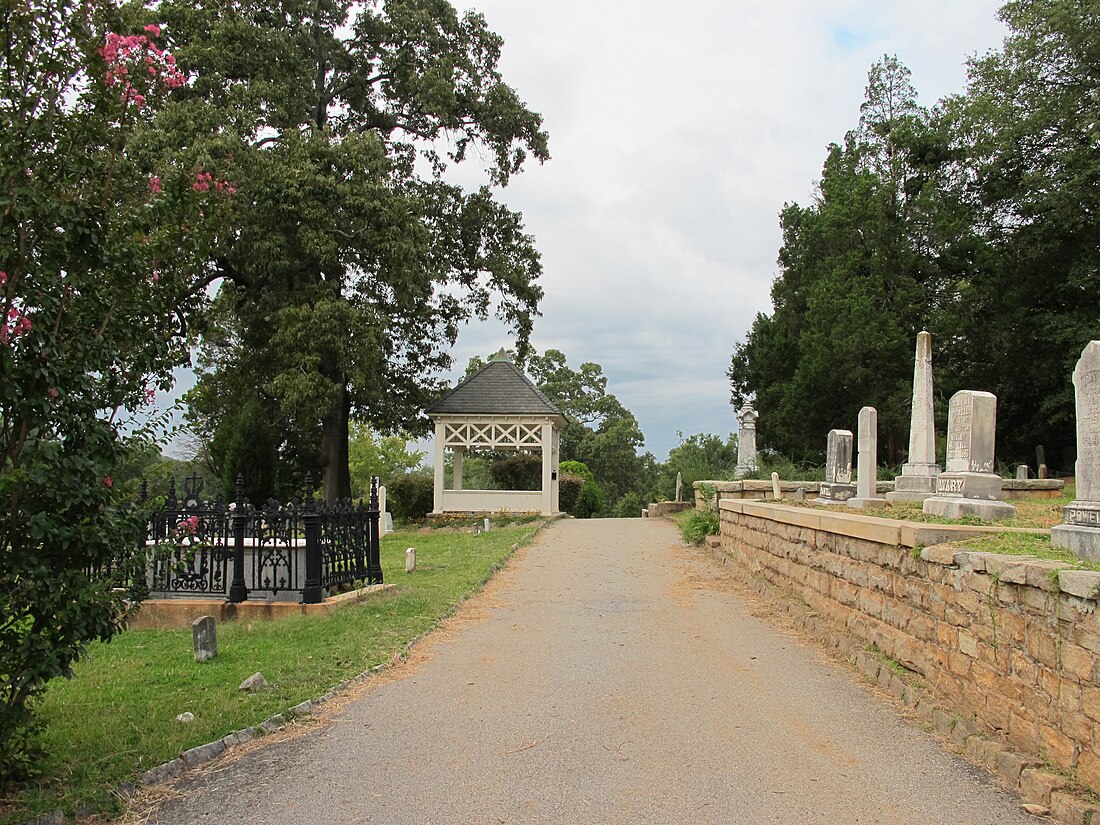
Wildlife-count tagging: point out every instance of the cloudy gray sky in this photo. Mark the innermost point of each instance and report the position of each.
(678, 131)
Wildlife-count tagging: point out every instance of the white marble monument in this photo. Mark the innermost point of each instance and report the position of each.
(918, 475)
(1080, 527)
(867, 465)
(746, 441)
(969, 487)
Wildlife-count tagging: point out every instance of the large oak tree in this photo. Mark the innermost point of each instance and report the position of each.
(355, 260)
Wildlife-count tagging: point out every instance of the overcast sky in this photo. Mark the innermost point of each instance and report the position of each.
(678, 131)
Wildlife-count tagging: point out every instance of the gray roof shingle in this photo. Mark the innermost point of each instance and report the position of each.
(498, 388)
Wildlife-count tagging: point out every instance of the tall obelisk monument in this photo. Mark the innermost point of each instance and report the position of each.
(918, 475)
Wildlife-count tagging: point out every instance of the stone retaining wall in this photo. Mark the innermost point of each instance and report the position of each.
(1012, 643)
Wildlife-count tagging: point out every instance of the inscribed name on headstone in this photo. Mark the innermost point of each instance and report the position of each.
(837, 486)
(968, 486)
(746, 441)
(867, 473)
(918, 475)
(1080, 530)
(204, 635)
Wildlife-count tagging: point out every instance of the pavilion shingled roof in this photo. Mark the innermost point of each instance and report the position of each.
(498, 388)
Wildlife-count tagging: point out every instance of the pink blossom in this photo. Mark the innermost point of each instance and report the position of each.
(108, 482)
(3, 277)
(14, 325)
(189, 525)
(202, 181)
(154, 185)
(137, 56)
(150, 394)
(52, 392)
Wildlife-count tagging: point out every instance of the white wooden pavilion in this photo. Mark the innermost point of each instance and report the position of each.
(496, 408)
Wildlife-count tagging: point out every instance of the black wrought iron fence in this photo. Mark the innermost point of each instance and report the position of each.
(311, 549)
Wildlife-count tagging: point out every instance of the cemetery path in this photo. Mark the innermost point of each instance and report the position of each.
(609, 675)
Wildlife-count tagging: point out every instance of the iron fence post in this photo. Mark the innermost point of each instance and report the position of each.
(311, 520)
(374, 561)
(360, 516)
(238, 590)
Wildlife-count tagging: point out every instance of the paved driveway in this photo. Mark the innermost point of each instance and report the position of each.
(608, 676)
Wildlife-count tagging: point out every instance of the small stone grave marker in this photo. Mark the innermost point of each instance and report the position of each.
(1023, 472)
(410, 560)
(777, 492)
(204, 635)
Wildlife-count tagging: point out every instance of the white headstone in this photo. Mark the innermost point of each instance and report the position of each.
(746, 441)
(969, 486)
(410, 559)
(1023, 472)
(679, 486)
(867, 473)
(385, 520)
(918, 475)
(837, 487)
(1080, 528)
(777, 493)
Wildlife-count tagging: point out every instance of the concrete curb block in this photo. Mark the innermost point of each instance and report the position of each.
(1038, 788)
(202, 754)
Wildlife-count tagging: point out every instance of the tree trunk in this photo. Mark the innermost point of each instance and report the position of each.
(335, 475)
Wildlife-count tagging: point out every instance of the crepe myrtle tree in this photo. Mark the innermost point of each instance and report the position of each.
(102, 247)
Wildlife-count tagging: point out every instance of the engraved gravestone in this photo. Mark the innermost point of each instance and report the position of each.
(746, 441)
(968, 486)
(867, 472)
(918, 475)
(837, 487)
(204, 635)
(1080, 528)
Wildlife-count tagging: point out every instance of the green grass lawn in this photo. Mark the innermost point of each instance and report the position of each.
(116, 717)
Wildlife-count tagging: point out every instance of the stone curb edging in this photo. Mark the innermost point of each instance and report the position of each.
(212, 750)
(1044, 793)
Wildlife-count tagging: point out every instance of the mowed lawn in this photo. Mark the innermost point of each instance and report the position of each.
(116, 717)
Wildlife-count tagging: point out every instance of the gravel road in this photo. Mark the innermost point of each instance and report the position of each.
(607, 676)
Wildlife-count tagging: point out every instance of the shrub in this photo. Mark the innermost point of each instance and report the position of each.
(569, 492)
(698, 524)
(591, 501)
(628, 506)
(517, 471)
(411, 496)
